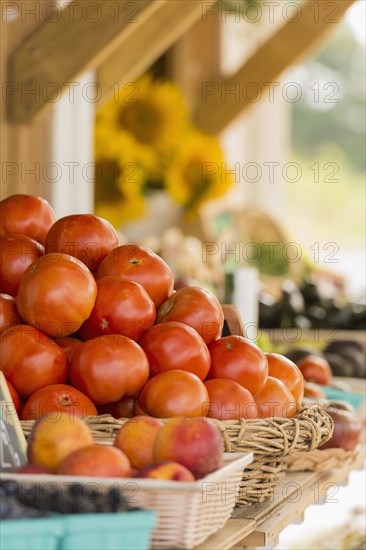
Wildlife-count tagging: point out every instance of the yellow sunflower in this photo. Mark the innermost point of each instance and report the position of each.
(153, 112)
(197, 172)
(117, 171)
(121, 211)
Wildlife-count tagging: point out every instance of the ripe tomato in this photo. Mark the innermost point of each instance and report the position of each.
(315, 369)
(172, 346)
(235, 358)
(108, 368)
(9, 315)
(285, 370)
(195, 307)
(121, 307)
(229, 400)
(173, 393)
(57, 397)
(56, 294)
(17, 253)
(313, 391)
(69, 345)
(275, 399)
(15, 397)
(124, 408)
(26, 214)
(31, 360)
(84, 236)
(141, 265)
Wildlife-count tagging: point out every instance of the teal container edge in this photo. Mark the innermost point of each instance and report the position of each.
(355, 399)
(31, 534)
(115, 531)
(120, 531)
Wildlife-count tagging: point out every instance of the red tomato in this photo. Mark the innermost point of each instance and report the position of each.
(57, 397)
(17, 253)
(108, 368)
(26, 214)
(174, 393)
(235, 358)
(229, 400)
(56, 294)
(275, 399)
(9, 315)
(31, 360)
(285, 370)
(316, 369)
(313, 391)
(124, 408)
(84, 236)
(69, 345)
(195, 307)
(176, 346)
(141, 265)
(121, 307)
(14, 397)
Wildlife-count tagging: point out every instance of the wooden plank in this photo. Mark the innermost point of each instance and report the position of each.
(81, 37)
(297, 37)
(302, 489)
(169, 22)
(229, 535)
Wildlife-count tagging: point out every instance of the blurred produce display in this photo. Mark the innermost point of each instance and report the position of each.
(305, 306)
(184, 255)
(346, 357)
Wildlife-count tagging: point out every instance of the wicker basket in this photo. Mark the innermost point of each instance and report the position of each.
(188, 513)
(323, 461)
(270, 440)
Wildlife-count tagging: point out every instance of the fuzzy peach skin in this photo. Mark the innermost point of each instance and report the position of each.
(96, 461)
(167, 470)
(192, 442)
(136, 439)
(53, 438)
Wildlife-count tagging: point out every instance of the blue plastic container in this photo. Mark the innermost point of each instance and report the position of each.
(120, 531)
(31, 534)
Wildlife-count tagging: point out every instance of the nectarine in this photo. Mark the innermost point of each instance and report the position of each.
(195, 443)
(96, 461)
(136, 439)
(167, 470)
(51, 440)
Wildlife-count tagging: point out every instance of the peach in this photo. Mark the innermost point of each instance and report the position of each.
(168, 470)
(193, 442)
(52, 439)
(136, 439)
(96, 461)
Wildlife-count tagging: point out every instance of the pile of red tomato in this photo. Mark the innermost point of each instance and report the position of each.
(96, 327)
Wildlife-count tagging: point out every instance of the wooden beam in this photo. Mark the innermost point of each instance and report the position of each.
(169, 22)
(223, 100)
(80, 37)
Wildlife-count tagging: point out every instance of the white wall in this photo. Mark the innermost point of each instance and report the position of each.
(73, 134)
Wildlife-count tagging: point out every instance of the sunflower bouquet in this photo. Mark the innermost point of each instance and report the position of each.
(144, 142)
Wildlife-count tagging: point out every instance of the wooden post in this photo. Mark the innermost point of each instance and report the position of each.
(25, 150)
